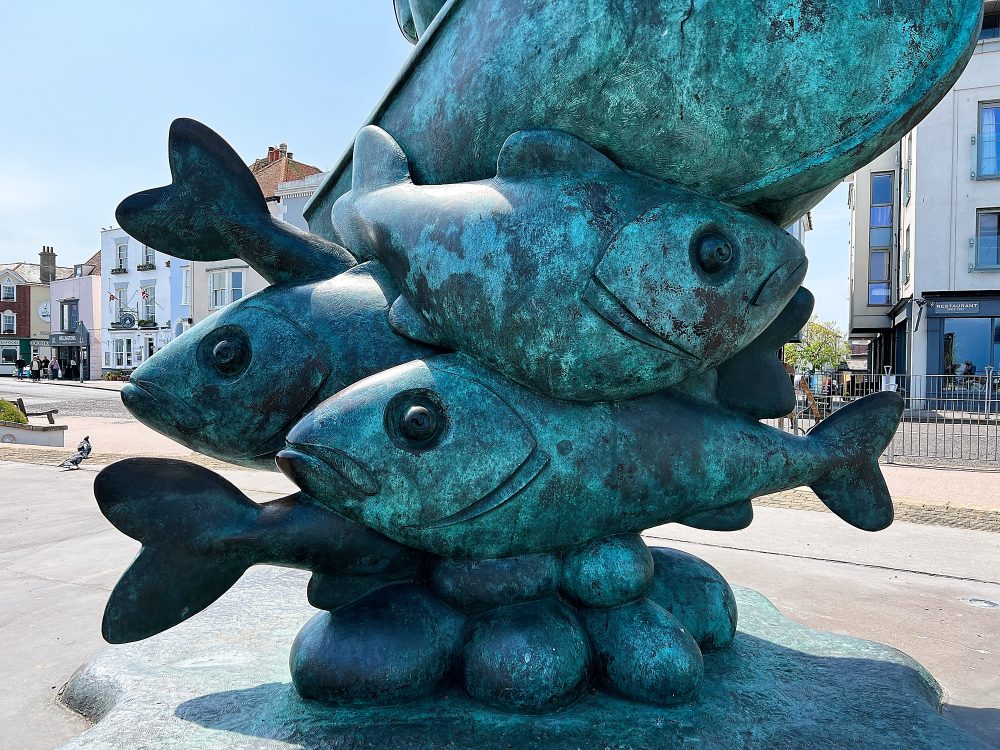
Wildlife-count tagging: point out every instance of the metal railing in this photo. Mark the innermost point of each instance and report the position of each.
(947, 419)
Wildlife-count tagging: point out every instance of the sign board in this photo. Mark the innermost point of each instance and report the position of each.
(10, 342)
(68, 339)
(957, 307)
(39, 342)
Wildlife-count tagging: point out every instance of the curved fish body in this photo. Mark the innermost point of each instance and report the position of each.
(763, 103)
(227, 387)
(445, 456)
(566, 274)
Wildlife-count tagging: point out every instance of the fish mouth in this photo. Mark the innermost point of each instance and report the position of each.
(782, 283)
(510, 488)
(604, 302)
(145, 399)
(304, 462)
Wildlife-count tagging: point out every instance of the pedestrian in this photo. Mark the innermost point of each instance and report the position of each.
(45, 367)
(71, 372)
(54, 369)
(36, 368)
(19, 364)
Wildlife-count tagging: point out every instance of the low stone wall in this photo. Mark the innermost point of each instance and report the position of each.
(53, 435)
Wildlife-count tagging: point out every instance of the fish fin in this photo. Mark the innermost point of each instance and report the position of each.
(162, 588)
(404, 19)
(754, 381)
(529, 153)
(730, 518)
(182, 514)
(406, 321)
(379, 162)
(214, 210)
(702, 386)
(854, 437)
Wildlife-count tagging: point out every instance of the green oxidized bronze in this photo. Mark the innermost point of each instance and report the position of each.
(541, 316)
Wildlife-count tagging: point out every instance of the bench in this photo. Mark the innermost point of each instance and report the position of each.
(49, 414)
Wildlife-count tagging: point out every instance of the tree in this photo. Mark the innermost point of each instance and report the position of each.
(823, 345)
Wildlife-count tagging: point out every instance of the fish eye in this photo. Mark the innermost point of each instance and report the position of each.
(713, 252)
(415, 419)
(228, 350)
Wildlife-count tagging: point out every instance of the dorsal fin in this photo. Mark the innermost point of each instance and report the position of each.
(379, 161)
(538, 152)
(406, 321)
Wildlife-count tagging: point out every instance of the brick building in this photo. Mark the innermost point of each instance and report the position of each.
(25, 308)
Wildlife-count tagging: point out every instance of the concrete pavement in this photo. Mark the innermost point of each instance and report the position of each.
(922, 589)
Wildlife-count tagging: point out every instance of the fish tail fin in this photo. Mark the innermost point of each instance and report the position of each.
(183, 515)
(379, 162)
(855, 437)
(214, 210)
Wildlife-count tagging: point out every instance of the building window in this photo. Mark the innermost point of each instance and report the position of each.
(988, 141)
(991, 25)
(121, 263)
(224, 287)
(123, 352)
(148, 294)
(908, 171)
(880, 238)
(107, 359)
(906, 258)
(988, 239)
(70, 315)
(121, 292)
(186, 285)
(8, 355)
(235, 285)
(967, 345)
(9, 323)
(8, 291)
(878, 278)
(148, 255)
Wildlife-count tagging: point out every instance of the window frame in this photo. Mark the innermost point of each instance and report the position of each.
(881, 286)
(148, 255)
(981, 141)
(149, 302)
(4, 317)
(186, 285)
(3, 288)
(121, 256)
(977, 265)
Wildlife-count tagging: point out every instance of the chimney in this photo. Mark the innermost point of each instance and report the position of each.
(272, 154)
(283, 150)
(47, 264)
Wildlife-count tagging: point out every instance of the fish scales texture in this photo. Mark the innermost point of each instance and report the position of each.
(567, 274)
(500, 471)
(763, 102)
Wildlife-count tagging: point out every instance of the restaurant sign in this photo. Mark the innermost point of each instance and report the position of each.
(950, 307)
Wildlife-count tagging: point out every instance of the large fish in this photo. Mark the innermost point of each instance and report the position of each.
(766, 103)
(565, 273)
(233, 385)
(448, 457)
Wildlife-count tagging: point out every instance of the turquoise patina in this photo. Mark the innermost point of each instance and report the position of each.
(539, 314)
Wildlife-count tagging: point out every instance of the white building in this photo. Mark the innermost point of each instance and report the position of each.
(75, 300)
(287, 185)
(925, 269)
(136, 283)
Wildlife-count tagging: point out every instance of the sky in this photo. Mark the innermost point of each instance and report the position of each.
(90, 90)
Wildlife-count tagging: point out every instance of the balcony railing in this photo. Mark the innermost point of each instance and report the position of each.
(119, 269)
(987, 156)
(984, 254)
(146, 267)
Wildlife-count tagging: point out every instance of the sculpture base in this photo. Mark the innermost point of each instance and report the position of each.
(221, 680)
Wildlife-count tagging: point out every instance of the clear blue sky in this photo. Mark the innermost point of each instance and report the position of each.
(90, 90)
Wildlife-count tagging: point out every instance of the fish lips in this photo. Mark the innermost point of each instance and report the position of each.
(783, 282)
(313, 467)
(148, 402)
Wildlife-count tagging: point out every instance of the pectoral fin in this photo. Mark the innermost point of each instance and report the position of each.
(730, 518)
(406, 321)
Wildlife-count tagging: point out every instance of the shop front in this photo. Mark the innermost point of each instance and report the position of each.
(963, 335)
(72, 350)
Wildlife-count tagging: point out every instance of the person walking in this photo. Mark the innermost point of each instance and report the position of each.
(54, 369)
(71, 371)
(19, 364)
(36, 368)
(45, 367)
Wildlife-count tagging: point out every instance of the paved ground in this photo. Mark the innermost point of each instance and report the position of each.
(920, 586)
